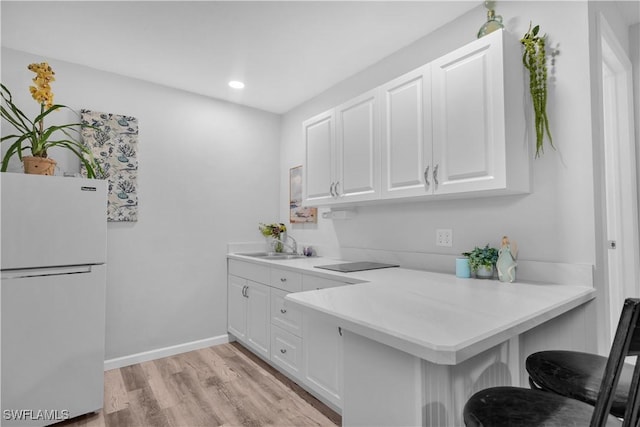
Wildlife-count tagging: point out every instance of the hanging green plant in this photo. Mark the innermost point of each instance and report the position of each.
(534, 59)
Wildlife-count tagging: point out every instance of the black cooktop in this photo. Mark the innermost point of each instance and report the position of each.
(356, 266)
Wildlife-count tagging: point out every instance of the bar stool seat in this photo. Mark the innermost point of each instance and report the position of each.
(515, 406)
(577, 375)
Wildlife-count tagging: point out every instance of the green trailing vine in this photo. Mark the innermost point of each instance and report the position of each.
(534, 59)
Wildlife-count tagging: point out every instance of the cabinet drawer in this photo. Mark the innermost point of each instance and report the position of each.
(285, 317)
(311, 283)
(286, 280)
(249, 270)
(286, 351)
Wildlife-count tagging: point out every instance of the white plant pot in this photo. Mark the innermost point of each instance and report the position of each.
(484, 272)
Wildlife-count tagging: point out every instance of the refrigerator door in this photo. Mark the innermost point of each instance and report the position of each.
(52, 221)
(53, 323)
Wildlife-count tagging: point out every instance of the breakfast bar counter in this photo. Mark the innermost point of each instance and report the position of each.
(416, 344)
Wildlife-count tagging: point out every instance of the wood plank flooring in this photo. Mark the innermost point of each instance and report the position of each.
(225, 385)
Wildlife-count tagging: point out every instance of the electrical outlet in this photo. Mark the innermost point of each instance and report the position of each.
(444, 237)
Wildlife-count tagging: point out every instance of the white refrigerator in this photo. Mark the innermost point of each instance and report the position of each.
(53, 232)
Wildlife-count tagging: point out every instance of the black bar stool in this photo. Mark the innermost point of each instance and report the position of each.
(515, 406)
(577, 375)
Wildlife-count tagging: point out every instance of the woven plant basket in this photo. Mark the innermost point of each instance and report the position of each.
(39, 165)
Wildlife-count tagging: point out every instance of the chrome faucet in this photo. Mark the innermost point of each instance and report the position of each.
(293, 246)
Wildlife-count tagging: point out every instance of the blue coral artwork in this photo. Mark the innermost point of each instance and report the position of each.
(113, 140)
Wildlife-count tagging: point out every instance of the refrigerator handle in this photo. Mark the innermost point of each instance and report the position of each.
(48, 271)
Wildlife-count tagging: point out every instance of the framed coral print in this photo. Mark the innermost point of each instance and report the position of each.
(297, 212)
(113, 140)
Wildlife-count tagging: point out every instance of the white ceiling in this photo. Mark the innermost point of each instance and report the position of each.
(285, 52)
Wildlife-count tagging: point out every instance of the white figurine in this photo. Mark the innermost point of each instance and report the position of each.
(506, 263)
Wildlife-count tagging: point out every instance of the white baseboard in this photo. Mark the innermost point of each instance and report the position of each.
(159, 353)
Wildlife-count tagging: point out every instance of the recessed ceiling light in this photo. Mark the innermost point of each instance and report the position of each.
(236, 84)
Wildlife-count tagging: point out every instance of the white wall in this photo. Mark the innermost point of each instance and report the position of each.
(634, 53)
(554, 223)
(207, 176)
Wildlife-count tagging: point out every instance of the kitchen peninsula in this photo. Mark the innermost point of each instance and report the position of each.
(416, 344)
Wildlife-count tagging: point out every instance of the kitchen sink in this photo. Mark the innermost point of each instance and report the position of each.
(272, 255)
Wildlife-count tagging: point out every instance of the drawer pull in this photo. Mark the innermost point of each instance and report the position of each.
(283, 279)
(283, 310)
(283, 350)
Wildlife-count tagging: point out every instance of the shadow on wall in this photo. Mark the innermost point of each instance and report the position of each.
(496, 374)
(436, 414)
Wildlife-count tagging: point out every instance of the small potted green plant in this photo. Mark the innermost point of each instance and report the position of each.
(274, 231)
(32, 135)
(482, 261)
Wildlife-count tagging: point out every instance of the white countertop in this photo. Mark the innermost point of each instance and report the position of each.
(437, 317)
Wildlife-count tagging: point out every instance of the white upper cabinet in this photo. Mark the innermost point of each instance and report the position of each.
(406, 135)
(452, 128)
(319, 141)
(358, 148)
(342, 153)
(471, 151)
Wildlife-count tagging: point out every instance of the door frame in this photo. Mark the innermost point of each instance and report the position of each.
(618, 208)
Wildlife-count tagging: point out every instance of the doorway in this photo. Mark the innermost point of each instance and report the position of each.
(620, 176)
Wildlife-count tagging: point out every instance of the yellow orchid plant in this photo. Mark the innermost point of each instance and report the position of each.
(32, 134)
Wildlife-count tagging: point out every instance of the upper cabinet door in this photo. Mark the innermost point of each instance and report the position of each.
(469, 118)
(319, 141)
(358, 148)
(406, 135)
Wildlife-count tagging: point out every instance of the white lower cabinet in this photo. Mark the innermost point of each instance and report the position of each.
(237, 307)
(322, 350)
(249, 314)
(258, 318)
(305, 347)
(282, 316)
(286, 351)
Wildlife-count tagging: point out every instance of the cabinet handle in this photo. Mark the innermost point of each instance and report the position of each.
(283, 310)
(340, 330)
(336, 189)
(331, 189)
(426, 176)
(244, 291)
(435, 175)
(283, 279)
(283, 350)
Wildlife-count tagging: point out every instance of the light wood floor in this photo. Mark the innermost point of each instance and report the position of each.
(225, 385)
